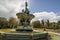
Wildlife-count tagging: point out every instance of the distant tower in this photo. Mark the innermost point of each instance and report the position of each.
(26, 8)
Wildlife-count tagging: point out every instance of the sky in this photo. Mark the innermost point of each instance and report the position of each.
(41, 9)
(45, 9)
(44, 5)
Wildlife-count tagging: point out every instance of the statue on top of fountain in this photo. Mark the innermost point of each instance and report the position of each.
(26, 8)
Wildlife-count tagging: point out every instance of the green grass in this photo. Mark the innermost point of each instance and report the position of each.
(6, 30)
(9, 30)
(54, 37)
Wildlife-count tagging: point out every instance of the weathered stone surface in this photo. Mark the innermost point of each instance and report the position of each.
(26, 36)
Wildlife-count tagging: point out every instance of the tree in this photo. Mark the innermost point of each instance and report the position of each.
(13, 22)
(36, 24)
(3, 22)
(42, 23)
(48, 23)
(58, 24)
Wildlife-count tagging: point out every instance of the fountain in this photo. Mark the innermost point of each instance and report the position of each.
(25, 17)
(24, 31)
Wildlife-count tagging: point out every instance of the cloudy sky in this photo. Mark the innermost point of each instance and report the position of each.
(9, 8)
(42, 9)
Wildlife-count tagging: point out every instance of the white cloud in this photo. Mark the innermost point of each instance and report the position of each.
(52, 16)
(2, 8)
(9, 8)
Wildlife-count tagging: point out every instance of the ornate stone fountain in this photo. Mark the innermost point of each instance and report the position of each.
(25, 17)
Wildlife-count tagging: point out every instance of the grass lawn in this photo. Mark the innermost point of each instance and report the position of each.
(54, 37)
(6, 30)
(9, 30)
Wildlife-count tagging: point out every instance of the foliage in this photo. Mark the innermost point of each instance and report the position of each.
(3, 22)
(36, 24)
(13, 22)
(49, 25)
(42, 22)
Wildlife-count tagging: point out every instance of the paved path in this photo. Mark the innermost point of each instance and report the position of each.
(52, 32)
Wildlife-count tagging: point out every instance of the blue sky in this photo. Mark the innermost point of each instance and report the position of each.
(44, 5)
(45, 9)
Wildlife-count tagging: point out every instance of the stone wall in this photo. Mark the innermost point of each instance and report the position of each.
(14, 36)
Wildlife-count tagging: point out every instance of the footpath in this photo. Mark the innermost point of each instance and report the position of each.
(52, 32)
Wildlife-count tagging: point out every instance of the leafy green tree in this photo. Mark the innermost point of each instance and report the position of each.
(58, 24)
(13, 22)
(36, 24)
(3, 22)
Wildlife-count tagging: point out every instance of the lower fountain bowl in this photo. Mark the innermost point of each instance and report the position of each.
(28, 29)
